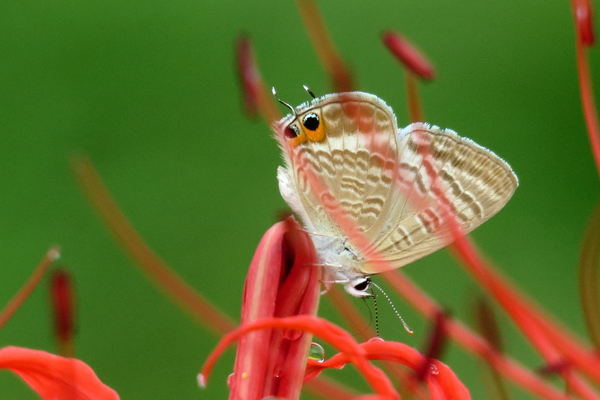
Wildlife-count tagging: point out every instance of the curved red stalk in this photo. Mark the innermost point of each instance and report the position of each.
(28, 287)
(63, 307)
(149, 263)
(471, 341)
(203, 311)
(439, 379)
(330, 60)
(327, 331)
(358, 324)
(54, 377)
(582, 12)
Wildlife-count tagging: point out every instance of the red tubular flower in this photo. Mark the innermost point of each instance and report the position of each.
(54, 377)
(441, 381)
(283, 281)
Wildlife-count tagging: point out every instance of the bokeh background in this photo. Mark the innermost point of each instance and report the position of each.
(148, 90)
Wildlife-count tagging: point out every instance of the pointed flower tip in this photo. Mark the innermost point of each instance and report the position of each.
(201, 381)
(53, 254)
(584, 18)
(408, 55)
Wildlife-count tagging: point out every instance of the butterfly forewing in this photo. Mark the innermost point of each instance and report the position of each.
(355, 163)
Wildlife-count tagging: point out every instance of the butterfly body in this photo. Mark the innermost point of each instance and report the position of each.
(364, 189)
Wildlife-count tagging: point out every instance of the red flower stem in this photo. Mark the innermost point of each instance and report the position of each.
(415, 111)
(524, 313)
(442, 384)
(360, 326)
(321, 40)
(587, 101)
(470, 341)
(203, 311)
(149, 263)
(23, 293)
(327, 331)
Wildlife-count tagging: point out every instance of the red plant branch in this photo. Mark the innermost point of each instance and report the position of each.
(582, 12)
(149, 263)
(330, 60)
(31, 283)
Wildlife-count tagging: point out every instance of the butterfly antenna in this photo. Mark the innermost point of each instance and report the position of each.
(406, 327)
(376, 310)
(281, 101)
(309, 91)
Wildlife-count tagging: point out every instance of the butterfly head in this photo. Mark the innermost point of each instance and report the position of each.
(305, 127)
(359, 286)
(306, 123)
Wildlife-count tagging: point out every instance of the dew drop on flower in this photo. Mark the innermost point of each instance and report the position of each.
(434, 369)
(292, 334)
(230, 379)
(316, 352)
(376, 338)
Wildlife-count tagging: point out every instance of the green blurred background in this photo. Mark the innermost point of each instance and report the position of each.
(148, 90)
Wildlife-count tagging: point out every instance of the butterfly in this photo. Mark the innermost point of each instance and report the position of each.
(363, 188)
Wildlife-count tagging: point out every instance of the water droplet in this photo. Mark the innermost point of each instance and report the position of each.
(434, 369)
(292, 334)
(376, 338)
(316, 352)
(230, 379)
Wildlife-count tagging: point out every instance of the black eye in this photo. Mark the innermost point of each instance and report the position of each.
(362, 286)
(311, 121)
(292, 131)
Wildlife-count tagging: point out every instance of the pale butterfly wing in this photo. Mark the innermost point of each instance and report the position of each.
(475, 184)
(377, 176)
(358, 179)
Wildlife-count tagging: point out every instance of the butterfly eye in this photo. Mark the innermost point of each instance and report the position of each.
(311, 121)
(362, 285)
(292, 131)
